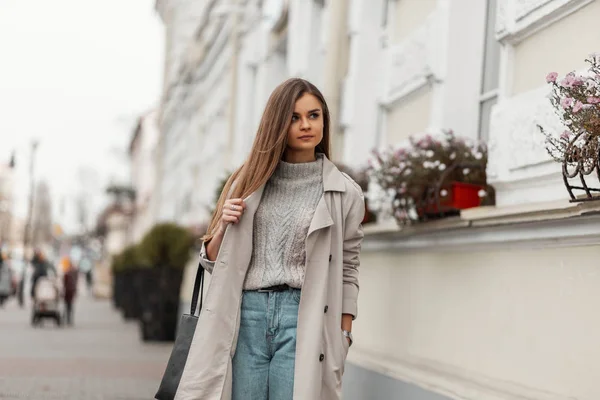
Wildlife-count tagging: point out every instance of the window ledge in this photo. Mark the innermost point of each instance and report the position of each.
(558, 223)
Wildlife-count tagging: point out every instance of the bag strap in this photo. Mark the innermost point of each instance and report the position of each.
(198, 289)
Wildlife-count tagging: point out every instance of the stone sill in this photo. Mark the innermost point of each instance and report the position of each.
(548, 223)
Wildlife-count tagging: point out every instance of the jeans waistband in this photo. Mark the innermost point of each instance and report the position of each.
(276, 288)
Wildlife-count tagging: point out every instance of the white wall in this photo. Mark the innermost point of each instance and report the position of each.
(491, 324)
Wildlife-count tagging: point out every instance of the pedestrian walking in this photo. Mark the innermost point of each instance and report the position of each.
(41, 268)
(6, 280)
(70, 278)
(283, 251)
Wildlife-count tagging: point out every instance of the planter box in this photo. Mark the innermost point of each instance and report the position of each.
(158, 295)
(118, 290)
(457, 196)
(129, 298)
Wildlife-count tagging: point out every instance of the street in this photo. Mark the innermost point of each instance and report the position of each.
(101, 357)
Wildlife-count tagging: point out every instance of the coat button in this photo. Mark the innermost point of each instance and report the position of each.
(321, 357)
(326, 308)
(330, 258)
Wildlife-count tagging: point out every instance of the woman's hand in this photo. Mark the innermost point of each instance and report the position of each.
(233, 209)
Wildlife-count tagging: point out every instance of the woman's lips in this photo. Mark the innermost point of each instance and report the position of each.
(306, 137)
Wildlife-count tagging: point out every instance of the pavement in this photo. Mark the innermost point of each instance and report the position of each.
(100, 358)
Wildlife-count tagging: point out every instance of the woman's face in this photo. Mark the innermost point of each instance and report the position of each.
(306, 128)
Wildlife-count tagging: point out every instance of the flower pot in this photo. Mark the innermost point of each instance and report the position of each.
(452, 198)
(158, 291)
(369, 217)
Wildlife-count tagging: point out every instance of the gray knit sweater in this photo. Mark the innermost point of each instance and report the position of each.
(281, 224)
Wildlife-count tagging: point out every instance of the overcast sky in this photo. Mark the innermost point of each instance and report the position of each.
(75, 74)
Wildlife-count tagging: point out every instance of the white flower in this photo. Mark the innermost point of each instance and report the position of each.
(478, 156)
(412, 213)
(442, 167)
(429, 153)
(466, 171)
(444, 193)
(452, 156)
(482, 193)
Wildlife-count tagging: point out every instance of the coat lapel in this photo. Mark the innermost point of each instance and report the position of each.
(252, 203)
(322, 218)
(333, 181)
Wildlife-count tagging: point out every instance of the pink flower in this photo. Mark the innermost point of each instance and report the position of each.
(566, 102)
(565, 135)
(593, 100)
(567, 82)
(578, 106)
(578, 81)
(401, 153)
(551, 77)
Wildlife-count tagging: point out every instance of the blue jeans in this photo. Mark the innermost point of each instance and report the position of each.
(263, 364)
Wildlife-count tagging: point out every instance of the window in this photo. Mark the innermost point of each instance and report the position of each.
(491, 72)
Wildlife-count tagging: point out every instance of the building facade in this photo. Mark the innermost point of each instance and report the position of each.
(495, 304)
(143, 158)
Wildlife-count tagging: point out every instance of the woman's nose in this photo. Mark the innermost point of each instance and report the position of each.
(304, 123)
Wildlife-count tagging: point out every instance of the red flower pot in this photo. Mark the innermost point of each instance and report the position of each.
(453, 197)
(369, 216)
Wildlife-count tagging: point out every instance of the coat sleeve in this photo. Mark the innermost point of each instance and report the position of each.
(207, 264)
(353, 236)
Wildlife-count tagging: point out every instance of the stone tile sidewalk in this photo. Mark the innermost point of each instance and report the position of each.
(100, 358)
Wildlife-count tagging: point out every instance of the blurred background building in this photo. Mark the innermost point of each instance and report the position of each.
(494, 304)
(144, 162)
(6, 201)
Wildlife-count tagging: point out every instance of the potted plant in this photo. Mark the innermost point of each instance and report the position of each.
(166, 250)
(431, 177)
(130, 264)
(576, 101)
(117, 281)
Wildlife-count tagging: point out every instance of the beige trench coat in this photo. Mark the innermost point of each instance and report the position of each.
(330, 289)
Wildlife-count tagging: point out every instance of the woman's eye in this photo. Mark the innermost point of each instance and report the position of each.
(294, 118)
(314, 115)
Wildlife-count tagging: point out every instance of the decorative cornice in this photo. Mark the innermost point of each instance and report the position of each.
(566, 226)
(517, 19)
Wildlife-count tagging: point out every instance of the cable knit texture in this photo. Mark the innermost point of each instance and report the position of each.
(281, 225)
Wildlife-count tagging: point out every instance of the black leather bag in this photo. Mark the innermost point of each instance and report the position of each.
(181, 348)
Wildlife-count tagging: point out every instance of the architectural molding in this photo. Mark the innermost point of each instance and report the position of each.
(515, 140)
(518, 19)
(414, 62)
(448, 380)
(536, 227)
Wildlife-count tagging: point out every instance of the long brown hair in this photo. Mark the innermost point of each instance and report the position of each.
(269, 144)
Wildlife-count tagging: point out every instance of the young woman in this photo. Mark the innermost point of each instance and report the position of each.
(283, 252)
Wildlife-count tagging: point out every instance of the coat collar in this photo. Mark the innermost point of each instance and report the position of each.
(333, 180)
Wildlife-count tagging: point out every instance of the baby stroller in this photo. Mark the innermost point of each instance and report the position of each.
(46, 301)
